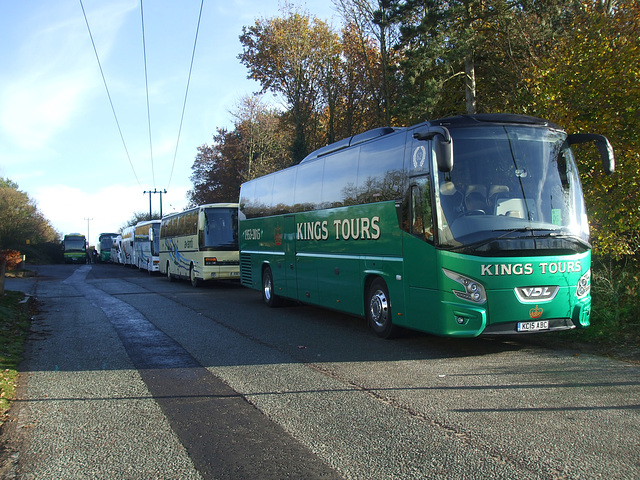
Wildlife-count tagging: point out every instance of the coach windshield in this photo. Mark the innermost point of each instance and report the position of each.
(512, 187)
(220, 229)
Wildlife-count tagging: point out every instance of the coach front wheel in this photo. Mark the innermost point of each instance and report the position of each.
(192, 276)
(378, 310)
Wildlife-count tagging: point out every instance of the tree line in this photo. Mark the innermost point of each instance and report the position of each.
(23, 227)
(399, 62)
(24, 230)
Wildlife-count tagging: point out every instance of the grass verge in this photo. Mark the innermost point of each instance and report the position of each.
(15, 320)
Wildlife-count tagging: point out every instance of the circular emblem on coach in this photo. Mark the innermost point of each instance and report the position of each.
(419, 156)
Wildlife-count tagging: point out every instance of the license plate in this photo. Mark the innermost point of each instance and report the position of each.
(533, 326)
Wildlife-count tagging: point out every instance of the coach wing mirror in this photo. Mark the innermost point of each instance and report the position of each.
(443, 145)
(604, 147)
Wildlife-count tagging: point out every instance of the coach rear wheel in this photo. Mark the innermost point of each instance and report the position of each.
(268, 295)
(169, 276)
(378, 310)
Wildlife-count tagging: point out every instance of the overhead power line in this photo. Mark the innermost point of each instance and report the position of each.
(146, 84)
(184, 104)
(124, 144)
(146, 77)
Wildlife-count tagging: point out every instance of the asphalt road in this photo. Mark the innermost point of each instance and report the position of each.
(129, 376)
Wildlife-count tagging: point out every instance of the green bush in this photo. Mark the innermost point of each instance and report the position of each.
(615, 311)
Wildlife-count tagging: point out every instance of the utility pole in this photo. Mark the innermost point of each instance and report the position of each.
(155, 191)
(88, 236)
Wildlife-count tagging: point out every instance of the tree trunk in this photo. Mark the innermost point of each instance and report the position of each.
(470, 84)
(469, 65)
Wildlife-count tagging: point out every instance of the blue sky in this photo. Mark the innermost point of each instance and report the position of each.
(58, 137)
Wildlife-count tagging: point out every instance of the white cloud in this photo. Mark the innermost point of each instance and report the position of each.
(53, 71)
(68, 208)
(32, 110)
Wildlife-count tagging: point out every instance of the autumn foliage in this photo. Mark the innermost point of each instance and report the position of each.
(590, 81)
(576, 63)
(23, 228)
(12, 258)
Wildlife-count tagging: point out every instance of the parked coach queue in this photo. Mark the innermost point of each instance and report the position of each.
(462, 226)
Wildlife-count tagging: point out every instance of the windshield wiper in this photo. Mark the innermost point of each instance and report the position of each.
(481, 243)
(566, 236)
(509, 231)
(549, 233)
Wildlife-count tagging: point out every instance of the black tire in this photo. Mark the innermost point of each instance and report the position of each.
(195, 282)
(169, 276)
(378, 310)
(268, 290)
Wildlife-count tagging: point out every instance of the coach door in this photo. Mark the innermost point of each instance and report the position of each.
(288, 265)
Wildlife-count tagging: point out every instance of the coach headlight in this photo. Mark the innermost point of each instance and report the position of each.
(473, 290)
(584, 284)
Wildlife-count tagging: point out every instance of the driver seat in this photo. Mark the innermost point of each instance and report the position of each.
(476, 198)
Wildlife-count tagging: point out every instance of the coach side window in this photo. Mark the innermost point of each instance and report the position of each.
(340, 170)
(247, 199)
(421, 213)
(264, 196)
(380, 169)
(282, 200)
(308, 186)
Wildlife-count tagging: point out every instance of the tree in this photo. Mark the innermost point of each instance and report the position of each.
(264, 138)
(258, 145)
(215, 174)
(21, 223)
(139, 217)
(437, 45)
(367, 21)
(358, 105)
(590, 82)
(468, 56)
(292, 57)
(517, 36)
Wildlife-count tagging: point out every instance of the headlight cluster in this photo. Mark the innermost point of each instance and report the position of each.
(584, 284)
(473, 290)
